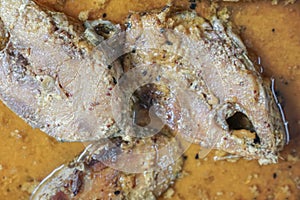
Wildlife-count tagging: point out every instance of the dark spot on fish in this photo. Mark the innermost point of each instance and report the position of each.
(144, 72)
(165, 8)
(169, 42)
(193, 6)
(128, 25)
(256, 139)
(102, 28)
(59, 196)
(154, 139)
(76, 182)
(143, 13)
(114, 80)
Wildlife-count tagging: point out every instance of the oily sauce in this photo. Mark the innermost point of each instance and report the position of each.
(27, 155)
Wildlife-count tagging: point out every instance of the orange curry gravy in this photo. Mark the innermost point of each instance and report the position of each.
(272, 32)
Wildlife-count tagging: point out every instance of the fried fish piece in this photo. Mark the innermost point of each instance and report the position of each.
(233, 106)
(88, 178)
(51, 76)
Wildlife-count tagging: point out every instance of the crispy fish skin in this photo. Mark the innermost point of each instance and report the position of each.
(51, 76)
(88, 178)
(213, 63)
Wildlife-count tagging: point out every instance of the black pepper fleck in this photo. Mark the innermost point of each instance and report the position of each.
(117, 192)
(184, 157)
(197, 156)
(144, 73)
(193, 6)
(104, 15)
(114, 80)
(274, 175)
(128, 25)
(273, 30)
(169, 42)
(165, 8)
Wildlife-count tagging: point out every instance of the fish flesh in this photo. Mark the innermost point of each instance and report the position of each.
(88, 178)
(52, 77)
(233, 106)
